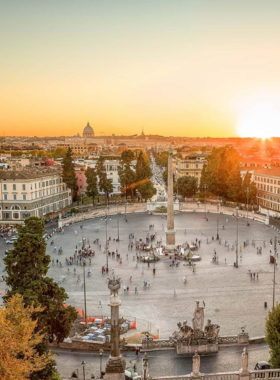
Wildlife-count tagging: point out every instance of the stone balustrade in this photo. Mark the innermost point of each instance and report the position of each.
(268, 374)
(265, 374)
(228, 339)
(148, 343)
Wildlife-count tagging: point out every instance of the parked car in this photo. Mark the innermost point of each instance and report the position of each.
(14, 238)
(260, 366)
(9, 241)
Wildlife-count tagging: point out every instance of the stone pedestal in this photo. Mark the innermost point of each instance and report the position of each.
(243, 338)
(183, 347)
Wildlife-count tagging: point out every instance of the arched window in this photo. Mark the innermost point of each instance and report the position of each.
(15, 207)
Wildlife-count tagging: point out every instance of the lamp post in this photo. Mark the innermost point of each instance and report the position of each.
(125, 211)
(85, 295)
(205, 187)
(118, 220)
(274, 266)
(247, 199)
(218, 205)
(236, 251)
(100, 355)
(83, 364)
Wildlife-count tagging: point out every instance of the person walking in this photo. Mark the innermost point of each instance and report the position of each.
(135, 290)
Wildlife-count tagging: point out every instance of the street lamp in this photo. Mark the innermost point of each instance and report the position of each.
(101, 354)
(125, 211)
(247, 198)
(218, 205)
(236, 251)
(83, 364)
(85, 296)
(205, 187)
(117, 204)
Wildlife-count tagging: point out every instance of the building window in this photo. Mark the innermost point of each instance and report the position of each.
(23, 187)
(6, 215)
(35, 185)
(5, 197)
(187, 165)
(5, 186)
(196, 166)
(15, 215)
(24, 197)
(14, 197)
(14, 186)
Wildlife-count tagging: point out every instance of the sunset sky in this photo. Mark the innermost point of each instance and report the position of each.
(175, 67)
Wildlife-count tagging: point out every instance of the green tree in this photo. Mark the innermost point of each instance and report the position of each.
(272, 331)
(146, 189)
(127, 174)
(143, 170)
(27, 266)
(249, 189)
(221, 175)
(92, 189)
(68, 174)
(104, 183)
(162, 159)
(187, 186)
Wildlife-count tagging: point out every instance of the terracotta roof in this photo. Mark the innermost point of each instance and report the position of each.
(28, 174)
(274, 171)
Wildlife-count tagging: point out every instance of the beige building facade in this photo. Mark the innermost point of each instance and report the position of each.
(268, 185)
(33, 192)
(191, 165)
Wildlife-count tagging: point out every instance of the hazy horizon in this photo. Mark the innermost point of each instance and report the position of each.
(176, 68)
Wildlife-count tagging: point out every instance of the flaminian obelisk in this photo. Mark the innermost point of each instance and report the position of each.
(170, 232)
(115, 366)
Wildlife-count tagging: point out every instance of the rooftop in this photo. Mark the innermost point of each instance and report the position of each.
(274, 171)
(28, 173)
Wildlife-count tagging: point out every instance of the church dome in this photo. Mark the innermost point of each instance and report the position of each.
(88, 131)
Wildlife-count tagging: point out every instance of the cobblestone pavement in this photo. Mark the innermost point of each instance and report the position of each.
(162, 363)
(232, 299)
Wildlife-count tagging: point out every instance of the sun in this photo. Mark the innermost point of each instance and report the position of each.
(260, 120)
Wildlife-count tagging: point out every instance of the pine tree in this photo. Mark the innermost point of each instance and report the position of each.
(126, 173)
(272, 329)
(68, 174)
(92, 189)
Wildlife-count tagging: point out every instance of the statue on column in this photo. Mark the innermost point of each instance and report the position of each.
(244, 362)
(196, 364)
(198, 317)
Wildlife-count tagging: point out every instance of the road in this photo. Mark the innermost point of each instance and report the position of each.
(162, 363)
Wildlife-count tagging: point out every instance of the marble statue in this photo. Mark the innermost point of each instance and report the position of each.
(196, 364)
(244, 361)
(211, 330)
(198, 317)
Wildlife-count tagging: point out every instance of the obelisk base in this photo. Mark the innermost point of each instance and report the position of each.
(115, 368)
(170, 240)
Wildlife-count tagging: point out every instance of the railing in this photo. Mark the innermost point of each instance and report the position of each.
(221, 376)
(268, 374)
(228, 339)
(265, 374)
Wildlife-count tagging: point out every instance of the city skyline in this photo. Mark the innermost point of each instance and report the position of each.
(178, 68)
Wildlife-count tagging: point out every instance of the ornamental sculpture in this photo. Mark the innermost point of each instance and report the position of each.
(197, 335)
(114, 285)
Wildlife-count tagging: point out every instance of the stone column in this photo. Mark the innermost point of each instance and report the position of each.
(115, 366)
(170, 232)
